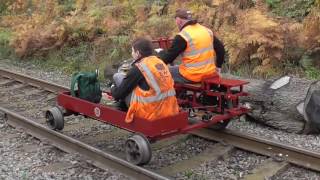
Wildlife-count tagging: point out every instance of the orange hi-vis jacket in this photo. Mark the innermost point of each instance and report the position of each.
(198, 59)
(157, 102)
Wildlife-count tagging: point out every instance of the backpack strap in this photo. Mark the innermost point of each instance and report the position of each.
(74, 81)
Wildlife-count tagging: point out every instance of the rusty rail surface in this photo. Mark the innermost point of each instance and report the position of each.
(276, 150)
(282, 152)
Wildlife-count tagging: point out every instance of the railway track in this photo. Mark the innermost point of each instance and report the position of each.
(41, 96)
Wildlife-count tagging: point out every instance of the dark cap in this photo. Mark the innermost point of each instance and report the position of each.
(184, 14)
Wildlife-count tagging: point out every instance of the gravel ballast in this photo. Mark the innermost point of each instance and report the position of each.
(310, 142)
(294, 172)
(239, 163)
(163, 157)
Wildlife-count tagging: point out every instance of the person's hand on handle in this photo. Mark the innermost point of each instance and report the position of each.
(158, 50)
(218, 70)
(106, 96)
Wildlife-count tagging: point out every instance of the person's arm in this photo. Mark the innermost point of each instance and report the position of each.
(128, 84)
(220, 51)
(177, 47)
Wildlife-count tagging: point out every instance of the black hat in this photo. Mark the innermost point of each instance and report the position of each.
(184, 14)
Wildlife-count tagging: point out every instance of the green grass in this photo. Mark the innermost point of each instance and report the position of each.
(79, 58)
(5, 36)
(191, 175)
(244, 69)
(313, 73)
(67, 59)
(291, 8)
(4, 6)
(67, 5)
(311, 70)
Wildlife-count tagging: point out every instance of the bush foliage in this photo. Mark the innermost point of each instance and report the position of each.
(99, 31)
(291, 8)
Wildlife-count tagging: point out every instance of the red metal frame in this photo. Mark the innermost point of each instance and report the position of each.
(153, 130)
(163, 43)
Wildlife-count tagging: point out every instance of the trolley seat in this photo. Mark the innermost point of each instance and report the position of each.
(228, 83)
(225, 91)
(230, 87)
(189, 86)
(208, 84)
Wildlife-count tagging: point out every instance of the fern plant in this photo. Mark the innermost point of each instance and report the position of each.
(293, 9)
(273, 3)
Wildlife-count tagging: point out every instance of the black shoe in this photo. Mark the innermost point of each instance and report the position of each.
(121, 105)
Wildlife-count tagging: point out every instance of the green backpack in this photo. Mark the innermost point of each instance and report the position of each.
(88, 86)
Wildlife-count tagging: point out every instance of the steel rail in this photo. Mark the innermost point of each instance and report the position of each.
(33, 81)
(297, 156)
(94, 156)
(276, 150)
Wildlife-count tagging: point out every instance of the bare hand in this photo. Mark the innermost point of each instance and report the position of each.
(218, 70)
(158, 50)
(107, 96)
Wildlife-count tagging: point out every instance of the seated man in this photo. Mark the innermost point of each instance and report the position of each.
(202, 53)
(148, 86)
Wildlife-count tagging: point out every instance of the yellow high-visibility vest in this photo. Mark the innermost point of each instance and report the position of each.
(160, 100)
(198, 59)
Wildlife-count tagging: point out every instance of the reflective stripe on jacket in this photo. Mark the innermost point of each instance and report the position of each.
(198, 59)
(157, 102)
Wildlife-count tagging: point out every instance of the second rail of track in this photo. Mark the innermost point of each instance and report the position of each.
(276, 150)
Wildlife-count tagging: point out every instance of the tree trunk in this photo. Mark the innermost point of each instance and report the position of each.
(277, 107)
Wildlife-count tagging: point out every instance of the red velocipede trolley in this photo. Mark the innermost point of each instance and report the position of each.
(209, 104)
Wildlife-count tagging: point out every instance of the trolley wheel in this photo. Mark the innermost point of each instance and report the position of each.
(222, 124)
(55, 120)
(138, 150)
